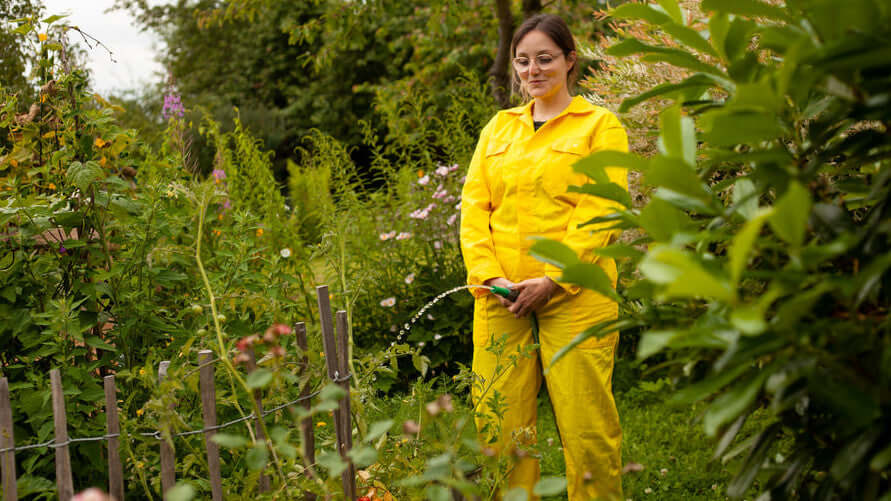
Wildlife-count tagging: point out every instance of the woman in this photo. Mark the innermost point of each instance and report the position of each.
(517, 189)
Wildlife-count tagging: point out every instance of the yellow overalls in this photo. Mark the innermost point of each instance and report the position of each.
(516, 189)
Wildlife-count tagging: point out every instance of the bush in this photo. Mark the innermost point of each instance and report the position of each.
(765, 268)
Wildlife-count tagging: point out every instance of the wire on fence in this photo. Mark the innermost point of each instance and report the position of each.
(157, 434)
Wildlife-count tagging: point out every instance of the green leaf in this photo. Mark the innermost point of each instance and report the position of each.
(674, 10)
(332, 392)
(437, 493)
(853, 453)
(182, 491)
(683, 59)
(881, 460)
(518, 493)
(640, 11)
(677, 176)
(751, 8)
(553, 252)
(745, 198)
(662, 220)
(96, 342)
(652, 342)
(718, 26)
(549, 486)
(689, 37)
(54, 18)
(790, 215)
(229, 441)
(608, 191)
(748, 319)
(594, 165)
(363, 456)
(256, 457)
(377, 429)
(259, 378)
(420, 362)
(591, 276)
(707, 387)
(685, 90)
(725, 128)
(678, 136)
(82, 175)
(730, 404)
(742, 244)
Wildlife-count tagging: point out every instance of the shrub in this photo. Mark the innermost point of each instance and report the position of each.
(765, 271)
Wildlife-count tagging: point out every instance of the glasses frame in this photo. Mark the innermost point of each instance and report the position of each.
(519, 68)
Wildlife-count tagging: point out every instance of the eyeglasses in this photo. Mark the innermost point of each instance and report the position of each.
(543, 61)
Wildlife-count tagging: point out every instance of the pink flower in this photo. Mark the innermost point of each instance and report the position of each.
(458, 205)
(420, 214)
(449, 199)
(424, 181)
(410, 278)
(463, 179)
(403, 236)
(451, 220)
(387, 236)
(440, 193)
(442, 171)
(453, 167)
(389, 302)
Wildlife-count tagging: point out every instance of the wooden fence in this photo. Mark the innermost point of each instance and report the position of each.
(336, 358)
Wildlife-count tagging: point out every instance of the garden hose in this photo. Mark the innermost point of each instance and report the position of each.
(511, 295)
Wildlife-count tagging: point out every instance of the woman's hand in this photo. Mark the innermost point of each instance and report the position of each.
(500, 282)
(534, 293)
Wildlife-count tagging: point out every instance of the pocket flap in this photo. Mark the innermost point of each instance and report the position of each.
(577, 145)
(496, 147)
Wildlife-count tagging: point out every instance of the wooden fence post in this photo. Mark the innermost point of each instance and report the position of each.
(64, 482)
(343, 350)
(209, 408)
(306, 428)
(7, 441)
(330, 346)
(263, 483)
(168, 457)
(113, 428)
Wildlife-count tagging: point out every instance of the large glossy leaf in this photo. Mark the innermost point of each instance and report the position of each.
(549, 486)
(683, 59)
(789, 217)
(673, 9)
(731, 404)
(553, 252)
(753, 8)
(595, 164)
(686, 89)
(725, 128)
(742, 244)
(609, 191)
(683, 276)
(707, 387)
(678, 176)
(590, 276)
(678, 136)
(662, 221)
(640, 11)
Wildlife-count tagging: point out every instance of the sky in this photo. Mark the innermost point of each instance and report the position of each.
(134, 51)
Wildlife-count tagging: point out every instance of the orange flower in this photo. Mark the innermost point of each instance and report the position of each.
(259, 232)
(42, 37)
(103, 161)
(99, 142)
(52, 186)
(420, 174)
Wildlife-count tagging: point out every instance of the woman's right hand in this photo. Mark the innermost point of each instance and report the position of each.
(501, 282)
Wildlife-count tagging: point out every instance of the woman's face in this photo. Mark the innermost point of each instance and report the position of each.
(541, 65)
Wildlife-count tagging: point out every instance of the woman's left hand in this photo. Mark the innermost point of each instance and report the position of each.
(534, 293)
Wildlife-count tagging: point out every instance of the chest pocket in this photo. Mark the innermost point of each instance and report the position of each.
(496, 153)
(558, 175)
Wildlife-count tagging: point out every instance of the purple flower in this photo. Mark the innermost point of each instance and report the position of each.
(173, 106)
(219, 175)
(62, 249)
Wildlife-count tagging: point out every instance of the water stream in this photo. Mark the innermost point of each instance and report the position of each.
(408, 325)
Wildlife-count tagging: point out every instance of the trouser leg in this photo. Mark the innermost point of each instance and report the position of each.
(580, 387)
(513, 383)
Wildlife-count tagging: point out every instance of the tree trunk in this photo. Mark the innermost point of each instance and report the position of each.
(531, 8)
(499, 70)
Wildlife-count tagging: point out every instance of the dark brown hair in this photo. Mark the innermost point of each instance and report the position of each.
(556, 29)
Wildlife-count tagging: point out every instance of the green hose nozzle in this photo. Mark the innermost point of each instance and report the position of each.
(509, 294)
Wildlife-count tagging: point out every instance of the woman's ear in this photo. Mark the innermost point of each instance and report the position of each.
(572, 59)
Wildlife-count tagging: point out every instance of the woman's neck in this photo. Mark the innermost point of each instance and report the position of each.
(546, 108)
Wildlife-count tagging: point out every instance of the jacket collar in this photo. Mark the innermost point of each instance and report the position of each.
(578, 106)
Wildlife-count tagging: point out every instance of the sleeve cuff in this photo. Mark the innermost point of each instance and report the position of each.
(479, 277)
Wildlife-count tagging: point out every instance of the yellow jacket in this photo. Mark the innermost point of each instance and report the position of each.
(516, 189)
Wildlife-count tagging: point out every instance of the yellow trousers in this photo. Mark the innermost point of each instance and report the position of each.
(580, 387)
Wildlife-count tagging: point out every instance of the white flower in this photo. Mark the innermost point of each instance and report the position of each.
(387, 236)
(421, 344)
(285, 253)
(663, 472)
(458, 205)
(420, 214)
(429, 317)
(403, 236)
(451, 220)
(389, 302)
(437, 244)
(442, 170)
(410, 278)
(424, 180)
(648, 491)
(392, 329)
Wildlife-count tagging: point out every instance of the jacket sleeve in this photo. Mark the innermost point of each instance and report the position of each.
(584, 240)
(477, 245)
